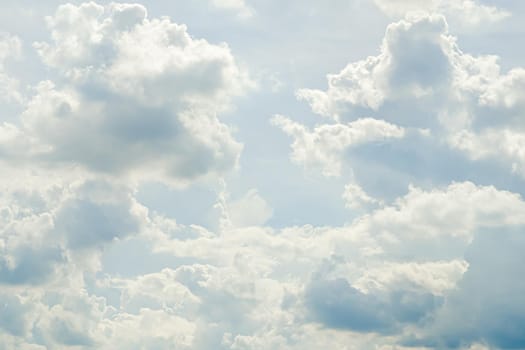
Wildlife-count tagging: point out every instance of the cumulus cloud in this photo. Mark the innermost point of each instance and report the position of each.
(47, 232)
(414, 63)
(421, 288)
(499, 321)
(388, 273)
(422, 79)
(140, 96)
(355, 197)
(324, 146)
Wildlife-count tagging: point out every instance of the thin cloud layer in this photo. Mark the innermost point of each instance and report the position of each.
(469, 12)
(239, 6)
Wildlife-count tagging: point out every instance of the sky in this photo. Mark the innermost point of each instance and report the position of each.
(262, 174)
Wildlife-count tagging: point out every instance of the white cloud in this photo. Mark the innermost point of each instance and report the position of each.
(501, 144)
(439, 224)
(84, 264)
(324, 146)
(250, 287)
(414, 63)
(437, 277)
(355, 197)
(141, 97)
(50, 232)
(422, 79)
(249, 210)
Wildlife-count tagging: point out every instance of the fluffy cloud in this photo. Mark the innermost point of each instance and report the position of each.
(415, 63)
(422, 79)
(324, 146)
(390, 275)
(84, 264)
(387, 272)
(436, 292)
(140, 96)
(50, 232)
(355, 197)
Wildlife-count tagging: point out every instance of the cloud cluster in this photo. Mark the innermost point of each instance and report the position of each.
(138, 96)
(422, 261)
(85, 264)
(403, 273)
(421, 79)
(324, 146)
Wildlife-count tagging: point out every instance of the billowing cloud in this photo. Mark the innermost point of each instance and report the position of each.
(95, 253)
(140, 96)
(415, 64)
(47, 232)
(324, 146)
(388, 273)
(355, 197)
(422, 79)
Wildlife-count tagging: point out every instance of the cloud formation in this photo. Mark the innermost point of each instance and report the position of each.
(422, 79)
(139, 96)
(325, 145)
(96, 251)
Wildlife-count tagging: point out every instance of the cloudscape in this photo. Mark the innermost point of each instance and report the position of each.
(262, 174)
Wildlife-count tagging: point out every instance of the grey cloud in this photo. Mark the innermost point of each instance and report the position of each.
(62, 333)
(32, 265)
(337, 304)
(37, 244)
(87, 224)
(488, 304)
(410, 76)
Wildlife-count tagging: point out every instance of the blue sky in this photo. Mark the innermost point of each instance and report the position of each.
(260, 174)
